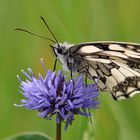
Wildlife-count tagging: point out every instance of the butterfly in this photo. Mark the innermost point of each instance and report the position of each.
(113, 66)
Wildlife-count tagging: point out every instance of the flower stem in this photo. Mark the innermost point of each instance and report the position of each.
(58, 131)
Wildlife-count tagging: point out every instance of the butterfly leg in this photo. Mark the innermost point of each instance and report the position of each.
(71, 74)
(54, 68)
(86, 76)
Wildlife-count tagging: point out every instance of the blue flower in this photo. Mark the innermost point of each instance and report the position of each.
(54, 95)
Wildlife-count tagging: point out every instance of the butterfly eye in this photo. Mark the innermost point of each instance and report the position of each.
(59, 50)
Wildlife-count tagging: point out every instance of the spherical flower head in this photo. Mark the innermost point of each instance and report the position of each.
(54, 95)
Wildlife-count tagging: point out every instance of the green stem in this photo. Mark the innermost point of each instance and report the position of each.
(58, 131)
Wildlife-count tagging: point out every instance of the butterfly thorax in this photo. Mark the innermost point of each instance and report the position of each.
(68, 60)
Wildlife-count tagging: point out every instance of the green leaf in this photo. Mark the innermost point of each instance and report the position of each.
(29, 136)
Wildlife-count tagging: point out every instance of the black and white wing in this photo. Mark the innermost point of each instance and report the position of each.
(115, 64)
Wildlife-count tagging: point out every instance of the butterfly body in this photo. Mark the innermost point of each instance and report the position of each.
(115, 65)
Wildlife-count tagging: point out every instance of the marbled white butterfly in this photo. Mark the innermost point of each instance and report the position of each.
(115, 65)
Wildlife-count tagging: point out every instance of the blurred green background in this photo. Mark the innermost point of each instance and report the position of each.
(72, 21)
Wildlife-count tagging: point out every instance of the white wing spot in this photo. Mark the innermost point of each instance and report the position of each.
(132, 55)
(90, 58)
(121, 98)
(131, 52)
(117, 75)
(111, 82)
(138, 84)
(130, 47)
(126, 72)
(116, 47)
(89, 49)
(100, 84)
(92, 72)
(133, 93)
(130, 89)
(119, 93)
(113, 53)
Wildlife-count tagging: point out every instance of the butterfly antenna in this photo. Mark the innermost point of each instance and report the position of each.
(50, 30)
(23, 30)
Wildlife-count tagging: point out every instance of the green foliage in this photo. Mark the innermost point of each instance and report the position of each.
(72, 21)
(29, 136)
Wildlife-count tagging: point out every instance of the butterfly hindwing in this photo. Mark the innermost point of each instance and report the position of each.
(121, 81)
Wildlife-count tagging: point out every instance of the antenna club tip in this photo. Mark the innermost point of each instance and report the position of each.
(41, 17)
(16, 28)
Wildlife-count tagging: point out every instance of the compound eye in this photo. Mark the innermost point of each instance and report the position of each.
(59, 50)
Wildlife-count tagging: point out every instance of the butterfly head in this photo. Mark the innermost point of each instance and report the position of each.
(62, 53)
